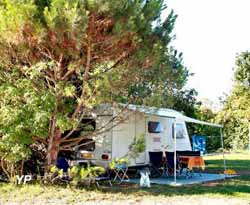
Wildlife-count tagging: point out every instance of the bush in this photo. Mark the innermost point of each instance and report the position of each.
(76, 176)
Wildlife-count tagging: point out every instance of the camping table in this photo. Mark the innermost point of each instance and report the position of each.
(192, 162)
(120, 171)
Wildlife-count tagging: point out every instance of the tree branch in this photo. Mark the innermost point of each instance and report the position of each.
(101, 130)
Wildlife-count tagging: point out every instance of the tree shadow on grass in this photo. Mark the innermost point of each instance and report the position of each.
(229, 187)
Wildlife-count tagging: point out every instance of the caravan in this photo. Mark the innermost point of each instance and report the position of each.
(160, 127)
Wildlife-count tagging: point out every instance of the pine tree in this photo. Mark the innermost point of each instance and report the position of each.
(60, 58)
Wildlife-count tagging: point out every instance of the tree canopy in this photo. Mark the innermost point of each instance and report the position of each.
(236, 112)
(61, 58)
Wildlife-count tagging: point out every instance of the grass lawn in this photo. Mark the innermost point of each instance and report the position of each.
(240, 162)
(230, 191)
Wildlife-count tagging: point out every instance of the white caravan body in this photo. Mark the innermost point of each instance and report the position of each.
(156, 124)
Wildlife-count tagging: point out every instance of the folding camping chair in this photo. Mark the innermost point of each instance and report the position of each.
(103, 178)
(120, 171)
(170, 164)
(156, 164)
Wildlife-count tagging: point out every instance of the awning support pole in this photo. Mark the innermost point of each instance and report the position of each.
(223, 153)
(175, 158)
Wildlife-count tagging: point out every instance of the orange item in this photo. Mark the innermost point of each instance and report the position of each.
(192, 162)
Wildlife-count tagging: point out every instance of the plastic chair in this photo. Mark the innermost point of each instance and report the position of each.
(144, 180)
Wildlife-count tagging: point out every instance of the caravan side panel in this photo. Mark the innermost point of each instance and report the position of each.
(103, 142)
(164, 139)
(123, 135)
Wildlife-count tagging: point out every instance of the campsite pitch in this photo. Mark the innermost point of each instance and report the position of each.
(235, 191)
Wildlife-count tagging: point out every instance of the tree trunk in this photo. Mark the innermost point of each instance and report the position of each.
(53, 146)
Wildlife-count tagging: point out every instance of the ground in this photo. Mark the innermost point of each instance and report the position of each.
(234, 191)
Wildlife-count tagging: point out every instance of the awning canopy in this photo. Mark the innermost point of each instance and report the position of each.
(164, 112)
(192, 120)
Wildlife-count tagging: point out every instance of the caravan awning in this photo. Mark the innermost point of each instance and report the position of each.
(164, 112)
(191, 120)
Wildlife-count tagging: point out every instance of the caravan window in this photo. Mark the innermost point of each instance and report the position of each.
(180, 131)
(154, 127)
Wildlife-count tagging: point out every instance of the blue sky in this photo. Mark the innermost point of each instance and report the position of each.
(210, 33)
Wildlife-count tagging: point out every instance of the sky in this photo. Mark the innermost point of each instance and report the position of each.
(210, 33)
